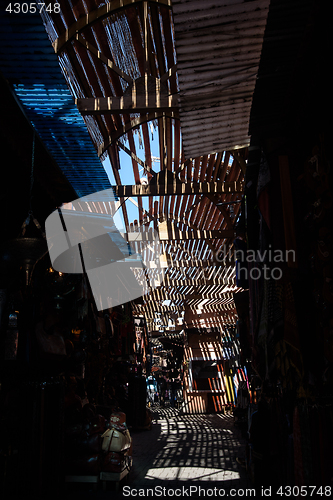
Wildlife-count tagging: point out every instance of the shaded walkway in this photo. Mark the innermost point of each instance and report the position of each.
(182, 451)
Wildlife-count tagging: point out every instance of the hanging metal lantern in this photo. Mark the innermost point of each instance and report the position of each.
(25, 252)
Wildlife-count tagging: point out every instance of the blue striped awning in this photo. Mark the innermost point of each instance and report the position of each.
(28, 62)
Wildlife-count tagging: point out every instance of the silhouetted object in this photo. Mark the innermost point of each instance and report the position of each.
(259, 438)
(24, 252)
(137, 394)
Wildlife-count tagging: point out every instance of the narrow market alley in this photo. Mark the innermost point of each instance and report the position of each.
(166, 250)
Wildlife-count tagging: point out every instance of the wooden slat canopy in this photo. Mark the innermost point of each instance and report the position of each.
(188, 188)
(121, 64)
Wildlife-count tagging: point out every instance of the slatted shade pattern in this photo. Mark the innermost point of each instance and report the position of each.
(120, 64)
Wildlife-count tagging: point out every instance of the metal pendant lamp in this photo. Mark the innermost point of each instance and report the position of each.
(24, 251)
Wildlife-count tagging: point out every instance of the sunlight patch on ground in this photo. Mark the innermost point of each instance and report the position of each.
(192, 473)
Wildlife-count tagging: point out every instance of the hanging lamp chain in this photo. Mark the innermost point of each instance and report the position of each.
(30, 214)
(32, 171)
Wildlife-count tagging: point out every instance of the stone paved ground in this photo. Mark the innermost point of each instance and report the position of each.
(183, 453)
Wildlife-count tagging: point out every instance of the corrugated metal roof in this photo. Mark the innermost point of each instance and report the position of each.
(28, 62)
(218, 46)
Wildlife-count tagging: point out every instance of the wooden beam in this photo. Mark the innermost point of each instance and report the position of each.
(135, 103)
(220, 208)
(135, 122)
(135, 157)
(169, 73)
(164, 294)
(98, 14)
(200, 263)
(171, 232)
(240, 160)
(185, 188)
(110, 64)
(213, 317)
(165, 309)
(167, 282)
(172, 221)
(145, 36)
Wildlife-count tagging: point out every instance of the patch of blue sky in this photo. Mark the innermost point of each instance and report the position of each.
(127, 176)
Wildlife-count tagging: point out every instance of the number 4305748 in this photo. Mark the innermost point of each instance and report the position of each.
(32, 8)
